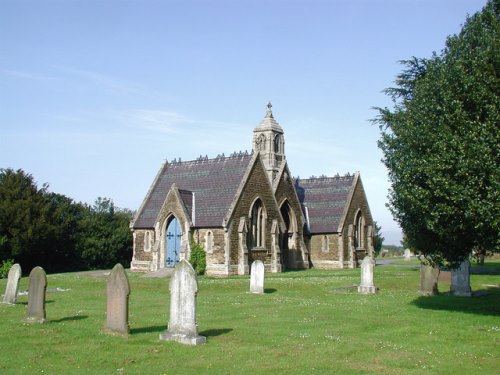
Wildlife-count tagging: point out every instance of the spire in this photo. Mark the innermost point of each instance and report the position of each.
(269, 112)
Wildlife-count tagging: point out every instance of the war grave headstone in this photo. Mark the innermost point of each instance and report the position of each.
(182, 324)
(367, 286)
(36, 295)
(460, 280)
(10, 296)
(117, 292)
(257, 277)
(428, 280)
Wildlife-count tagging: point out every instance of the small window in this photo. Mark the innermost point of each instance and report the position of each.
(258, 224)
(325, 244)
(359, 231)
(147, 241)
(209, 242)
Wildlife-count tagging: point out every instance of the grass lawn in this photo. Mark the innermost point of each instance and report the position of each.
(301, 325)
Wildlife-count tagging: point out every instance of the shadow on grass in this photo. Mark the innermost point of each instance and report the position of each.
(150, 329)
(215, 332)
(270, 290)
(69, 318)
(483, 302)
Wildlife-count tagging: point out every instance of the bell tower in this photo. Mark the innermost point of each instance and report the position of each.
(268, 140)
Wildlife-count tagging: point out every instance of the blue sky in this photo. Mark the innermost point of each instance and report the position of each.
(94, 95)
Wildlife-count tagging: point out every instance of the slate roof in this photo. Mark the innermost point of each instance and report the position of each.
(325, 199)
(214, 182)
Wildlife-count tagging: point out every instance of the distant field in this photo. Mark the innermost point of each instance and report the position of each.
(302, 325)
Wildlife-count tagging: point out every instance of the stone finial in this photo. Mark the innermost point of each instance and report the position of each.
(269, 112)
(10, 296)
(36, 295)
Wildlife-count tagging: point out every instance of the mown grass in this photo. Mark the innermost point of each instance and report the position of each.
(305, 323)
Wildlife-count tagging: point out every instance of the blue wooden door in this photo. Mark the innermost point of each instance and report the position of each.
(172, 243)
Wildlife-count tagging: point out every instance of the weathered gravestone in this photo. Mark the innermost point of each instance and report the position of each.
(367, 286)
(117, 291)
(407, 255)
(10, 296)
(428, 280)
(257, 277)
(182, 324)
(460, 280)
(36, 295)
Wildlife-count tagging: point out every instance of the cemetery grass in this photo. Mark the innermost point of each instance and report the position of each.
(307, 322)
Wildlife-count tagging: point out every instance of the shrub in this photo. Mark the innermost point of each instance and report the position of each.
(198, 258)
(5, 268)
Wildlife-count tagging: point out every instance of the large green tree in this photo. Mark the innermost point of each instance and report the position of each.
(441, 146)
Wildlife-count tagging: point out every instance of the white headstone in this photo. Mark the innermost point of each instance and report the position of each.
(36, 295)
(182, 324)
(117, 292)
(10, 296)
(367, 286)
(460, 280)
(407, 254)
(257, 277)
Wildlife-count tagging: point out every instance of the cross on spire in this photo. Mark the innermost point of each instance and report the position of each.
(269, 112)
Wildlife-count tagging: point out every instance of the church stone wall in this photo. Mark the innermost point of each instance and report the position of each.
(141, 259)
(257, 186)
(325, 257)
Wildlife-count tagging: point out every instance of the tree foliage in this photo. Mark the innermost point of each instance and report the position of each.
(378, 240)
(441, 144)
(41, 228)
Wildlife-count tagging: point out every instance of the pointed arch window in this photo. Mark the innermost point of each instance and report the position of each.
(209, 242)
(325, 244)
(359, 230)
(277, 143)
(147, 241)
(257, 224)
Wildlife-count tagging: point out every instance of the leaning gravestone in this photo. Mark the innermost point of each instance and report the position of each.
(10, 296)
(182, 324)
(460, 280)
(257, 277)
(36, 295)
(367, 286)
(428, 280)
(117, 291)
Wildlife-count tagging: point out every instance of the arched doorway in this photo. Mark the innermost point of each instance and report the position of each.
(288, 238)
(172, 242)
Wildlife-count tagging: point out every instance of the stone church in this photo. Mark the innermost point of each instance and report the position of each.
(247, 206)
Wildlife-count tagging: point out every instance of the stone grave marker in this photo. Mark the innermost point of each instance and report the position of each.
(36, 295)
(460, 280)
(117, 292)
(367, 286)
(257, 277)
(407, 255)
(182, 324)
(10, 296)
(428, 280)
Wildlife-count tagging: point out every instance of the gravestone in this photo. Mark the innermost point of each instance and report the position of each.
(117, 291)
(407, 254)
(460, 280)
(182, 324)
(428, 280)
(367, 286)
(36, 295)
(257, 277)
(10, 296)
